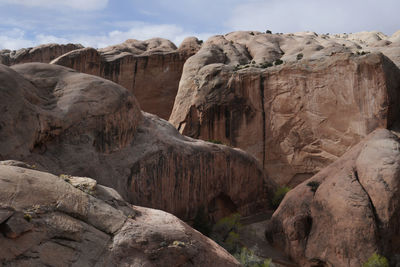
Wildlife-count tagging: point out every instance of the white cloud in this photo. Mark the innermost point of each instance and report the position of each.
(14, 39)
(140, 31)
(75, 4)
(17, 39)
(316, 15)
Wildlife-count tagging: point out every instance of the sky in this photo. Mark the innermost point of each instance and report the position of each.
(99, 23)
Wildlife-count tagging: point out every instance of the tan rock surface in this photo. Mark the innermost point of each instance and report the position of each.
(353, 213)
(150, 69)
(45, 221)
(296, 118)
(42, 53)
(75, 124)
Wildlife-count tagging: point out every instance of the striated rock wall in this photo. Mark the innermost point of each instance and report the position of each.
(296, 118)
(48, 220)
(42, 53)
(346, 212)
(150, 69)
(67, 122)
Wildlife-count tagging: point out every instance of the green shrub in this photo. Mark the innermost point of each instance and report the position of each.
(27, 217)
(218, 142)
(299, 56)
(247, 258)
(266, 65)
(376, 260)
(313, 185)
(278, 62)
(279, 195)
(268, 31)
(251, 33)
(226, 233)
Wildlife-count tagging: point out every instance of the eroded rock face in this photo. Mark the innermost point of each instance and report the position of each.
(45, 220)
(296, 118)
(42, 53)
(71, 123)
(352, 212)
(150, 69)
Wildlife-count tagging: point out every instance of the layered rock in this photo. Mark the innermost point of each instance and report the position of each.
(296, 117)
(346, 212)
(150, 69)
(77, 124)
(42, 53)
(49, 221)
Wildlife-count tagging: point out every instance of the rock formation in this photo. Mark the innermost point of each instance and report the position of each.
(42, 53)
(346, 212)
(296, 117)
(71, 123)
(46, 220)
(150, 69)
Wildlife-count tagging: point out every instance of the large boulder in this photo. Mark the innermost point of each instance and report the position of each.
(346, 212)
(296, 117)
(150, 69)
(46, 220)
(71, 123)
(42, 53)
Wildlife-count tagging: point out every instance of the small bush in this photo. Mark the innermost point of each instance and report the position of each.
(27, 217)
(247, 258)
(266, 65)
(299, 56)
(226, 233)
(251, 33)
(268, 31)
(376, 260)
(253, 62)
(278, 62)
(218, 142)
(279, 195)
(313, 185)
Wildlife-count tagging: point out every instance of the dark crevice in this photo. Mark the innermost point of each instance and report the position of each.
(180, 125)
(262, 79)
(376, 218)
(134, 74)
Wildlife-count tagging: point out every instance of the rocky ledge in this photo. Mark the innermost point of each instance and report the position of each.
(46, 220)
(346, 212)
(297, 102)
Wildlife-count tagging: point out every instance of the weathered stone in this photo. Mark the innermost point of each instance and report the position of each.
(352, 212)
(296, 118)
(150, 69)
(75, 124)
(89, 234)
(42, 53)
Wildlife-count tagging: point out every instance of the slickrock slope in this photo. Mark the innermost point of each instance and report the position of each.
(354, 212)
(72, 123)
(42, 53)
(297, 117)
(48, 221)
(150, 69)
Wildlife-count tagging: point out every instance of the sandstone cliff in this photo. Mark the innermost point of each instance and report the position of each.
(42, 53)
(46, 220)
(296, 101)
(346, 212)
(150, 69)
(72, 123)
